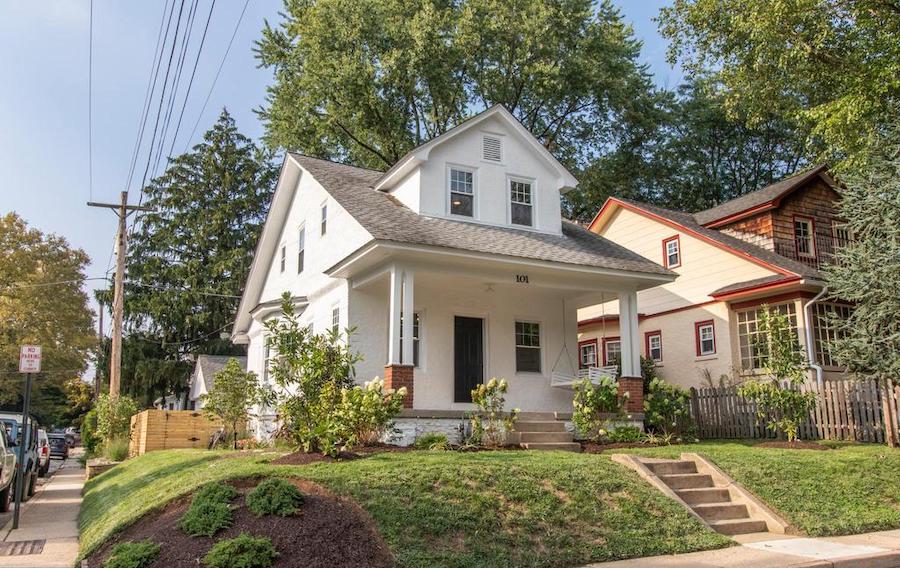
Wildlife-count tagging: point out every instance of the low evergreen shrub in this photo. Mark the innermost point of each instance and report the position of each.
(432, 441)
(274, 496)
(205, 518)
(132, 555)
(243, 551)
(216, 493)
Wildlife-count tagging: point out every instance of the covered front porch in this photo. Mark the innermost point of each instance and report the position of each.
(476, 318)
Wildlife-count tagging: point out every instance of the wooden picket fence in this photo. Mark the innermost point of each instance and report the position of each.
(169, 429)
(844, 410)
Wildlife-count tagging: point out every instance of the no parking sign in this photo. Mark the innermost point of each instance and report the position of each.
(30, 359)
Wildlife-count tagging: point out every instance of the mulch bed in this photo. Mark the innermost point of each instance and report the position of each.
(303, 458)
(785, 445)
(595, 448)
(329, 532)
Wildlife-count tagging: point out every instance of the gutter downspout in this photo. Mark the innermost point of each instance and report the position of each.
(810, 340)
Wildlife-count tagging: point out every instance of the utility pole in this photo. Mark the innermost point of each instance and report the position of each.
(123, 210)
(100, 343)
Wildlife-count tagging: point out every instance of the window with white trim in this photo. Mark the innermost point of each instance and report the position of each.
(751, 342)
(301, 249)
(706, 338)
(416, 338)
(826, 330)
(587, 355)
(336, 320)
(521, 207)
(324, 224)
(267, 360)
(528, 347)
(672, 248)
(654, 346)
(612, 352)
(804, 236)
(842, 234)
(492, 149)
(283, 262)
(462, 192)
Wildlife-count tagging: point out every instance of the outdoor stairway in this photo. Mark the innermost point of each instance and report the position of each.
(713, 504)
(542, 431)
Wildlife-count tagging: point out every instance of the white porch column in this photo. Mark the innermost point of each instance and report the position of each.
(628, 332)
(408, 317)
(396, 305)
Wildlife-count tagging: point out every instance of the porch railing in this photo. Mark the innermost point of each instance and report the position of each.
(594, 374)
(815, 252)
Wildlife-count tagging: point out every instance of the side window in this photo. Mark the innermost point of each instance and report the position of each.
(528, 347)
(336, 320)
(705, 335)
(324, 225)
(804, 236)
(672, 252)
(301, 249)
(653, 340)
(521, 208)
(462, 192)
(612, 351)
(283, 259)
(587, 354)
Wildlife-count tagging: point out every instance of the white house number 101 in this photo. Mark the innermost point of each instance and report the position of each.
(521, 279)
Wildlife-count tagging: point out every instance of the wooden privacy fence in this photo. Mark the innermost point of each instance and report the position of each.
(860, 411)
(169, 429)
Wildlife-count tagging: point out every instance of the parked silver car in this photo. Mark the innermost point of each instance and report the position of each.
(43, 453)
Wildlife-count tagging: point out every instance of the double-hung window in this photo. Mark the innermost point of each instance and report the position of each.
(705, 335)
(528, 347)
(336, 320)
(612, 351)
(653, 340)
(324, 223)
(672, 252)
(416, 338)
(301, 249)
(462, 192)
(587, 354)
(283, 260)
(521, 203)
(804, 236)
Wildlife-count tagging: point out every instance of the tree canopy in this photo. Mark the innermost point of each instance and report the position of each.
(42, 302)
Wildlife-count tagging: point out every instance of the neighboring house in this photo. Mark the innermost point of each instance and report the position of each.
(766, 247)
(201, 380)
(454, 266)
(169, 402)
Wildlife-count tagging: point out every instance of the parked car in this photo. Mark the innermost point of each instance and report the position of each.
(59, 446)
(8, 461)
(43, 453)
(12, 422)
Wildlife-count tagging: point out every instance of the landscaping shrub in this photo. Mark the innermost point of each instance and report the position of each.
(591, 402)
(365, 414)
(667, 408)
(432, 441)
(89, 438)
(243, 551)
(215, 493)
(625, 434)
(490, 423)
(274, 496)
(116, 449)
(205, 518)
(233, 392)
(132, 555)
(114, 416)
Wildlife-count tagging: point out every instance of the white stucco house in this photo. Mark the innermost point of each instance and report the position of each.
(464, 234)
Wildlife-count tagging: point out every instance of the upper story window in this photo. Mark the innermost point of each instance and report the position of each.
(301, 249)
(521, 206)
(491, 149)
(705, 335)
(283, 260)
(653, 340)
(462, 192)
(842, 234)
(804, 236)
(336, 320)
(324, 225)
(672, 252)
(528, 347)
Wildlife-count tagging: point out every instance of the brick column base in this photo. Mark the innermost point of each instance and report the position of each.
(396, 376)
(634, 386)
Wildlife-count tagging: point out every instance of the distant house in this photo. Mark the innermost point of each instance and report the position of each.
(201, 380)
(766, 247)
(453, 266)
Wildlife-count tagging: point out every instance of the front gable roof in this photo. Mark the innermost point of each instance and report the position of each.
(566, 181)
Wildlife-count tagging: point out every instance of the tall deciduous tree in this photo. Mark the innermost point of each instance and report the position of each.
(189, 258)
(831, 66)
(365, 81)
(41, 302)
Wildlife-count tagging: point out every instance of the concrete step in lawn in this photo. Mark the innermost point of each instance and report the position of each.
(536, 433)
(540, 426)
(558, 446)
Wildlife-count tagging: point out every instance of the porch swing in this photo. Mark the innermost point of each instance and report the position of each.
(568, 380)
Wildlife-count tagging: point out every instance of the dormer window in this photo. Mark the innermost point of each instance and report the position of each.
(462, 192)
(492, 150)
(521, 206)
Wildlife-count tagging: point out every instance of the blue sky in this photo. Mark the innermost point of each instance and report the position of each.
(44, 100)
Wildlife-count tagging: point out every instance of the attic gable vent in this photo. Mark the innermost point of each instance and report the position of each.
(491, 150)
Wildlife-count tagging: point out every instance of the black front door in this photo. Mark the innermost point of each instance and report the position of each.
(468, 356)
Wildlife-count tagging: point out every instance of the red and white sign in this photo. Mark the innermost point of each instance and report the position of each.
(30, 359)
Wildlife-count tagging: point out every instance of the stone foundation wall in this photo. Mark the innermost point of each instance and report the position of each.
(407, 430)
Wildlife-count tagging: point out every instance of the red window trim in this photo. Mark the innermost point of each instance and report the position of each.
(588, 342)
(605, 341)
(697, 326)
(647, 336)
(812, 234)
(676, 238)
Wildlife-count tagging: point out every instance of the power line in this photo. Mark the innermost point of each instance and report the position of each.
(90, 103)
(186, 342)
(219, 71)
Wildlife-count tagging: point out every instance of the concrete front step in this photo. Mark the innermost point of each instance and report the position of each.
(558, 446)
(687, 480)
(722, 511)
(738, 526)
(672, 467)
(548, 437)
(538, 416)
(703, 495)
(540, 426)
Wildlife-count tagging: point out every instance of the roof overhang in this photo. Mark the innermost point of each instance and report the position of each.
(565, 180)
(755, 292)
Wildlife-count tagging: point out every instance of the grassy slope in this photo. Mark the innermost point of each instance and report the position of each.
(851, 489)
(441, 509)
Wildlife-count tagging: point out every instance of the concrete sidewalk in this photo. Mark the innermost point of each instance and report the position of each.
(51, 515)
(764, 550)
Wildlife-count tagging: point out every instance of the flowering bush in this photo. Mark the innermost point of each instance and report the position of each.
(365, 414)
(592, 402)
(667, 408)
(490, 423)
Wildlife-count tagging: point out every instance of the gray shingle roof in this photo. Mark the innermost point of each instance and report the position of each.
(212, 364)
(758, 197)
(688, 221)
(386, 219)
(752, 283)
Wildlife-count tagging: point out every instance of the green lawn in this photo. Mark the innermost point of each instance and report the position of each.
(850, 489)
(441, 509)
